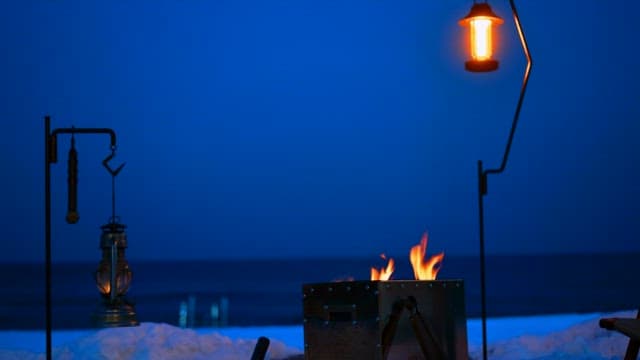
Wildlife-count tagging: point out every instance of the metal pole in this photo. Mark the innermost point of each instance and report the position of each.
(47, 230)
(483, 174)
(483, 303)
(50, 155)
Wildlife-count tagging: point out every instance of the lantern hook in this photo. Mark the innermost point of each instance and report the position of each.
(106, 160)
(114, 219)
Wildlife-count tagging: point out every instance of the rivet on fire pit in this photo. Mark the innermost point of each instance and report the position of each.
(457, 284)
(348, 288)
(402, 286)
(326, 307)
(354, 322)
(326, 323)
(430, 285)
(387, 286)
(312, 290)
(330, 289)
(353, 306)
(444, 284)
(377, 318)
(417, 285)
(366, 287)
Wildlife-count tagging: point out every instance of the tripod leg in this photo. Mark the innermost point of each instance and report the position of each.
(430, 346)
(389, 331)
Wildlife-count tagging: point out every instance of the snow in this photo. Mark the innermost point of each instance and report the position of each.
(569, 336)
(147, 341)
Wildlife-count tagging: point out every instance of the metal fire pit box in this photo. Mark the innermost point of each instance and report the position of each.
(394, 319)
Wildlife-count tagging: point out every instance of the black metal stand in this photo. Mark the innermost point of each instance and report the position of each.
(482, 176)
(51, 156)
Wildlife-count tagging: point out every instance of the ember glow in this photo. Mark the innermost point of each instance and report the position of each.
(383, 273)
(424, 270)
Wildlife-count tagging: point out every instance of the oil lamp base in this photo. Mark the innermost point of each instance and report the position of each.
(481, 65)
(115, 314)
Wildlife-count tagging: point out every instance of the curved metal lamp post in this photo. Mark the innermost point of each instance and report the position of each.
(113, 275)
(480, 20)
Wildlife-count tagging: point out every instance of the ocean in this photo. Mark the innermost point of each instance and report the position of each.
(268, 292)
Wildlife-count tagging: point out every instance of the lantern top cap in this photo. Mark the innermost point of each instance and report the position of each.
(113, 227)
(480, 10)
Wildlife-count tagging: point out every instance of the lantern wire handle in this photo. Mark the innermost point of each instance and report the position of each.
(483, 174)
(114, 173)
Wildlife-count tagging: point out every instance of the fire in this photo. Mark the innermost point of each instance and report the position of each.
(424, 270)
(383, 273)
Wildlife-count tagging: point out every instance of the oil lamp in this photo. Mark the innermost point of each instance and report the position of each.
(113, 275)
(113, 278)
(481, 20)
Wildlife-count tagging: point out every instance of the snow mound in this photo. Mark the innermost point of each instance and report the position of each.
(585, 340)
(156, 341)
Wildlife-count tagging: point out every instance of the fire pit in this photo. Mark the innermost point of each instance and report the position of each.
(395, 319)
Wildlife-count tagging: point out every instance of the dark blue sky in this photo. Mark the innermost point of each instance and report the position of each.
(306, 128)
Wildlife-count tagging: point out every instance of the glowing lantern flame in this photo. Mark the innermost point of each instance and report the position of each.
(424, 270)
(481, 44)
(384, 273)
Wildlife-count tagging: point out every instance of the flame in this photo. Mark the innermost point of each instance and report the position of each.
(424, 270)
(383, 273)
(481, 46)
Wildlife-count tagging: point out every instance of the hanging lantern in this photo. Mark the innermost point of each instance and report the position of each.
(481, 20)
(113, 279)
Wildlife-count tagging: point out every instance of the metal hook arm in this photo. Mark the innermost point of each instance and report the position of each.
(516, 115)
(50, 157)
